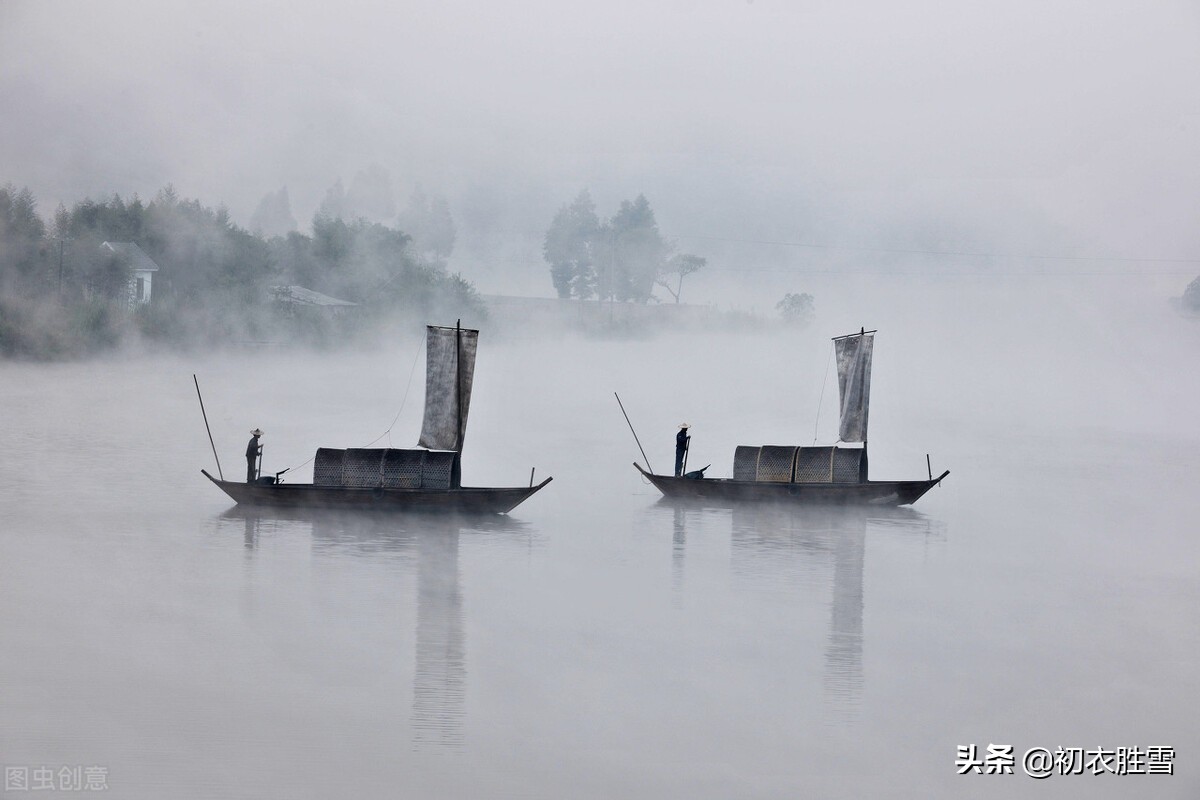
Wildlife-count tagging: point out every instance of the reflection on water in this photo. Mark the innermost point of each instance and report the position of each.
(632, 651)
(781, 548)
(678, 548)
(843, 676)
(250, 535)
(440, 674)
(440, 684)
(769, 537)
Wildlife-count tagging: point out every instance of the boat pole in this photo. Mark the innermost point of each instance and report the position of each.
(928, 466)
(458, 432)
(205, 415)
(631, 430)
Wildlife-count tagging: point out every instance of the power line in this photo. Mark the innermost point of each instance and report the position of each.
(911, 251)
(954, 273)
(919, 252)
(957, 253)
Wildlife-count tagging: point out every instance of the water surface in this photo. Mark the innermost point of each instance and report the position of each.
(600, 642)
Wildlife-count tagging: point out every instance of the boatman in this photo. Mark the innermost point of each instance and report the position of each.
(253, 451)
(682, 440)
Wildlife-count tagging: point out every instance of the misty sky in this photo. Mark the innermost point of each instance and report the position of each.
(1016, 127)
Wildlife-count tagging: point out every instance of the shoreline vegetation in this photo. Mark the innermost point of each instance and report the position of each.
(175, 274)
(208, 283)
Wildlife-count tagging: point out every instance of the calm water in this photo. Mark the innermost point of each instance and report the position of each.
(600, 642)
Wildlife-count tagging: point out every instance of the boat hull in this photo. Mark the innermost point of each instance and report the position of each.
(727, 491)
(470, 500)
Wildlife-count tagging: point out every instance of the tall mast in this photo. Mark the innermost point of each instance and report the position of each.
(458, 384)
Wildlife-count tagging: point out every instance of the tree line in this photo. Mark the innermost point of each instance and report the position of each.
(63, 294)
(623, 258)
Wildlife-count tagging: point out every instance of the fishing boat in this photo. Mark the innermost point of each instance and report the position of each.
(810, 475)
(427, 478)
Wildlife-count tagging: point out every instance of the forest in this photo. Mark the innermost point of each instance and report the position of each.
(63, 294)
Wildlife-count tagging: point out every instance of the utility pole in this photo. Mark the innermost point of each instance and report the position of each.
(61, 242)
(612, 272)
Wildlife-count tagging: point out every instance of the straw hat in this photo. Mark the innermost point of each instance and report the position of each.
(256, 432)
(685, 426)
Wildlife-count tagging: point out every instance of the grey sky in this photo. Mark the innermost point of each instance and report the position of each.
(1016, 127)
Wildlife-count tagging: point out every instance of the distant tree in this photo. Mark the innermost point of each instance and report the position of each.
(112, 219)
(681, 265)
(212, 278)
(373, 265)
(1191, 296)
(167, 196)
(18, 214)
(637, 250)
(351, 260)
(202, 255)
(24, 255)
(60, 227)
(332, 241)
(379, 256)
(370, 196)
(796, 309)
(622, 259)
(85, 270)
(101, 274)
(333, 205)
(208, 269)
(570, 247)
(273, 217)
(427, 220)
(299, 265)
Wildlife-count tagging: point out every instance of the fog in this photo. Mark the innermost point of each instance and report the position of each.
(1024, 129)
(599, 641)
(1008, 193)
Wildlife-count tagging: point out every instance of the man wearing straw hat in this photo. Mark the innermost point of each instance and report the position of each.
(681, 445)
(253, 451)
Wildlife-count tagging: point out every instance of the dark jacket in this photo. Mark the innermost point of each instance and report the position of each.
(252, 448)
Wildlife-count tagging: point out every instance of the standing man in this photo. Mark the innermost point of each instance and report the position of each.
(682, 440)
(253, 451)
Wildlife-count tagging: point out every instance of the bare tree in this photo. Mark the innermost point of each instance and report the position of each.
(681, 265)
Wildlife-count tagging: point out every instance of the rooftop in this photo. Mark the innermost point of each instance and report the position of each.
(132, 255)
(305, 297)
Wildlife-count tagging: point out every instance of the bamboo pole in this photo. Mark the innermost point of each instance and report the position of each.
(210, 439)
(631, 430)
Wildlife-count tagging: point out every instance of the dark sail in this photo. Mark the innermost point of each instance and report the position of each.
(449, 370)
(854, 384)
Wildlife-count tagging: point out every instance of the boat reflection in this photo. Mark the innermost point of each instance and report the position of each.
(440, 678)
(678, 549)
(359, 532)
(438, 719)
(780, 547)
(819, 536)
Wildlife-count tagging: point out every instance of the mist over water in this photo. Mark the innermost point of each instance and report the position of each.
(601, 642)
(1007, 192)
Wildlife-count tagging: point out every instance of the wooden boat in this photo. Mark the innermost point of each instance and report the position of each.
(727, 490)
(810, 475)
(464, 499)
(393, 479)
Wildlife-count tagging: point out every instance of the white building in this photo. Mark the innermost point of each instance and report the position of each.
(141, 270)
